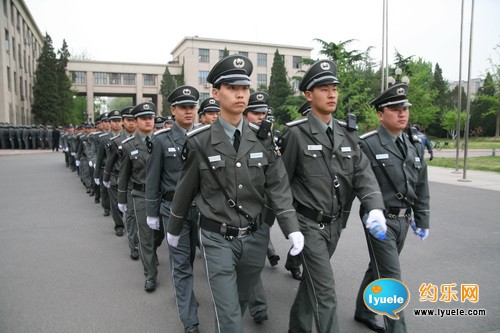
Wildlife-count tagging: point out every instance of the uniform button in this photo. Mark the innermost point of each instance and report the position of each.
(259, 164)
(238, 164)
(240, 186)
(314, 155)
(175, 155)
(404, 164)
(240, 207)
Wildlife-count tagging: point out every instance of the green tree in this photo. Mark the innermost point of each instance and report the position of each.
(120, 103)
(449, 121)
(168, 84)
(279, 89)
(45, 87)
(65, 95)
(485, 109)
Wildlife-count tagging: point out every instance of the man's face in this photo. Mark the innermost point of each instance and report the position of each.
(130, 124)
(323, 98)
(105, 126)
(394, 119)
(115, 124)
(232, 99)
(145, 124)
(255, 117)
(209, 117)
(184, 115)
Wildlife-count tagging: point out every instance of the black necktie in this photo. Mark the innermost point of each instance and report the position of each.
(236, 142)
(329, 133)
(400, 147)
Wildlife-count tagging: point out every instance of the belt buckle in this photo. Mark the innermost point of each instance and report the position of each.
(402, 212)
(242, 232)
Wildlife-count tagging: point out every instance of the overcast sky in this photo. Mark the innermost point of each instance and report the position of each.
(147, 31)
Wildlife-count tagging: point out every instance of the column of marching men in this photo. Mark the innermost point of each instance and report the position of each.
(219, 185)
(30, 136)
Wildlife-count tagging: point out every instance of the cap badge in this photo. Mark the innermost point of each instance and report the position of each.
(400, 91)
(259, 97)
(238, 63)
(211, 101)
(325, 66)
(145, 107)
(186, 91)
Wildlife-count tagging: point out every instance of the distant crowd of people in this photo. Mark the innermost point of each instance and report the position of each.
(29, 136)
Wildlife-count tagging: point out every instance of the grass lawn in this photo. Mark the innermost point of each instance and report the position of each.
(483, 163)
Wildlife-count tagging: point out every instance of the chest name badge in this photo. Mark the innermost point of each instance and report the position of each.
(314, 147)
(215, 158)
(417, 159)
(345, 149)
(256, 155)
(134, 152)
(382, 156)
(171, 149)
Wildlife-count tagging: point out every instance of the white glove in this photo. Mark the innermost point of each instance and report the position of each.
(106, 184)
(90, 164)
(153, 222)
(422, 233)
(73, 154)
(172, 240)
(122, 208)
(97, 181)
(375, 222)
(77, 163)
(297, 242)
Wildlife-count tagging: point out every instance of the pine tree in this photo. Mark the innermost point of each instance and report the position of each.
(168, 84)
(45, 87)
(65, 95)
(279, 89)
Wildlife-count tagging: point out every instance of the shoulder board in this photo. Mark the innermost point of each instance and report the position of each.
(104, 134)
(344, 124)
(254, 126)
(296, 122)
(198, 130)
(165, 130)
(116, 136)
(366, 135)
(128, 139)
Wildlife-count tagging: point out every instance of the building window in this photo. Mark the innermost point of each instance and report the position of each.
(221, 54)
(261, 59)
(261, 80)
(295, 85)
(14, 48)
(20, 55)
(149, 79)
(100, 78)
(243, 53)
(18, 21)
(296, 62)
(129, 79)
(7, 46)
(21, 88)
(204, 96)
(15, 82)
(204, 55)
(78, 77)
(115, 79)
(6, 8)
(8, 78)
(202, 78)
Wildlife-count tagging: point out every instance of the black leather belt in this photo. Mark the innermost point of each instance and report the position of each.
(224, 229)
(139, 187)
(395, 212)
(315, 215)
(168, 196)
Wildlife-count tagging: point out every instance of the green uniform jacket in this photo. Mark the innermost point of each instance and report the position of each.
(114, 156)
(135, 156)
(310, 179)
(164, 166)
(248, 176)
(408, 174)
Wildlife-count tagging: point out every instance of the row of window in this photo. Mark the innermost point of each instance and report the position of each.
(23, 88)
(118, 79)
(27, 35)
(24, 60)
(204, 56)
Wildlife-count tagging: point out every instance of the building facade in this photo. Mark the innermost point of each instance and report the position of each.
(20, 47)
